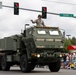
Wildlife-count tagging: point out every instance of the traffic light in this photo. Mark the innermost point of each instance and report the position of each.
(44, 12)
(16, 8)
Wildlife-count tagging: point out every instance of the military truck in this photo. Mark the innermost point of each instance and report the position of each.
(34, 46)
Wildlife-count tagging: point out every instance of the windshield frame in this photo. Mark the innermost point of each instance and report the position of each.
(41, 32)
(53, 32)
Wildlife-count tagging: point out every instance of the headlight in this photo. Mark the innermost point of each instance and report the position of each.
(39, 39)
(49, 39)
(60, 55)
(38, 55)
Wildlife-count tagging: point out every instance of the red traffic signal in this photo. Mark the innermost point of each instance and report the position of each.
(44, 12)
(44, 9)
(16, 4)
(16, 8)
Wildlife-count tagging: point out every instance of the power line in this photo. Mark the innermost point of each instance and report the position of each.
(59, 2)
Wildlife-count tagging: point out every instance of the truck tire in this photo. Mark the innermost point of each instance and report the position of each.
(24, 65)
(4, 64)
(0, 63)
(55, 67)
(32, 67)
(0, 67)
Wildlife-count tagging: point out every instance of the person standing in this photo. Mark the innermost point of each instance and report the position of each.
(39, 22)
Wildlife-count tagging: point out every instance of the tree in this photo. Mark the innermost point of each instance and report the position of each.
(66, 44)
(73, 41)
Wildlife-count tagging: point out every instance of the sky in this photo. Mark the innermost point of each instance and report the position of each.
(11, 24)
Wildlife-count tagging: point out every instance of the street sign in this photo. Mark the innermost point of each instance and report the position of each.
(66, 15)
(0, 5)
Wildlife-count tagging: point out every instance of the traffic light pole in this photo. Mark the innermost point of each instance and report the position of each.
(34, 10)
(30, 10)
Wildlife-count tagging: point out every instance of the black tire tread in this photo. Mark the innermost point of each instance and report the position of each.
(27, 68)
(6, 66)
(55, 67)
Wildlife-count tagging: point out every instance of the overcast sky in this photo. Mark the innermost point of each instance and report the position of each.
(11, 24)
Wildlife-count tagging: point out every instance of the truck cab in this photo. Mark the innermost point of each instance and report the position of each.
(45, 46)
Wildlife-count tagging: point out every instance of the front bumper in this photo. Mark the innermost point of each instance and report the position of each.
(45, 58)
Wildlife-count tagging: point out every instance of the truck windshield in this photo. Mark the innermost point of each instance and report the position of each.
(41, 32)
(53, 32)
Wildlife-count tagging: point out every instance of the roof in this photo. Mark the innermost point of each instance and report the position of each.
(72, 47)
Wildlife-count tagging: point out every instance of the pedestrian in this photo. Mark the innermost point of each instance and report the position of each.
(72, 65)
(39, 22)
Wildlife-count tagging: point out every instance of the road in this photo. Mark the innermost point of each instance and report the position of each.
(38, 71)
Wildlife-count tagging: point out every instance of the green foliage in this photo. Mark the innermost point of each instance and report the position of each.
(67, 43)
(73, 41)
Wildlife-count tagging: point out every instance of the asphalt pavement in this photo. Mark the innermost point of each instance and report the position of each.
(38, 71)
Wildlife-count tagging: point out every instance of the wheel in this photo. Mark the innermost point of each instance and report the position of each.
(32, 67)
(0, 67)
(24, 64)
(0, 63)
(55, 67)
(4, 64)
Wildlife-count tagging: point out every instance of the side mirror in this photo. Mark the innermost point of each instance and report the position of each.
(25, 30)
(64, 34)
